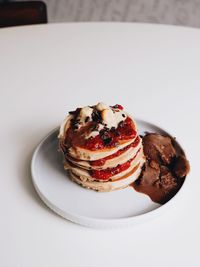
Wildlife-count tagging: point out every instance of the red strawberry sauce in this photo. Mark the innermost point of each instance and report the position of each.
(107, 173)
(102, 161)
(125, 131)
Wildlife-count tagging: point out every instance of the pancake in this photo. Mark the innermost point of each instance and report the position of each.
(110, 185)
(85, 154)
(109, 163)
(86, 175)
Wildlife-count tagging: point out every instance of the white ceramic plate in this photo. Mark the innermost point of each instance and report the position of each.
(83, 206)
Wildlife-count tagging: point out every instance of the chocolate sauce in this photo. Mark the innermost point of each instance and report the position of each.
(160, 190)
(164, 170)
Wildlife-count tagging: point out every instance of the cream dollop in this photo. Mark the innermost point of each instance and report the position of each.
(101, 106)
(110, 117)
(85, 112)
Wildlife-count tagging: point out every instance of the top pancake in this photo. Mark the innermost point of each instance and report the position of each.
(78, 141)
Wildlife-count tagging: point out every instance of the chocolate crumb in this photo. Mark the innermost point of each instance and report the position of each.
(74, 124)
(107, 141)
(87, 119)
(96, 116)
(105, 136)
(75, 112)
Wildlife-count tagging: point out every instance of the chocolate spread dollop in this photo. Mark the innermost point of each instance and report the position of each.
(165, 168)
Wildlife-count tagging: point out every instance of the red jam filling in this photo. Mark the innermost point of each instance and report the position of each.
(125, 131)
(109, 172)
(102, 161)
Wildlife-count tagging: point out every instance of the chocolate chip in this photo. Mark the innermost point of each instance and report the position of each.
(105, 136)
(107, 141)
(123, 115)
(74, 124)
(87, 119)
(95, 127)
(114, 131)
(96, 116)
(75, 112)
(117, 133)
(121, 124)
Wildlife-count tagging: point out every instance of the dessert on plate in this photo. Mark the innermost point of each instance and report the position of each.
(103, 151)
(101, 147)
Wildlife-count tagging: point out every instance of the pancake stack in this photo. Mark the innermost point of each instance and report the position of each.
(101, 147)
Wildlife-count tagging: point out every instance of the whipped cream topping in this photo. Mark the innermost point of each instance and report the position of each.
(85, 112)
(109, 116)
(105, 116)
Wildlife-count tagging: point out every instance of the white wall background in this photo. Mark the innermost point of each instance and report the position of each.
(177, 12)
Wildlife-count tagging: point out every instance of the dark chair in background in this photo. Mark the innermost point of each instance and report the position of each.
(22, 13)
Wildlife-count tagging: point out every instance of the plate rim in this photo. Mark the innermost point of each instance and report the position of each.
(105, 222)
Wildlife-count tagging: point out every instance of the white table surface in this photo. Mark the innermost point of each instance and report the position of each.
(46, 71)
